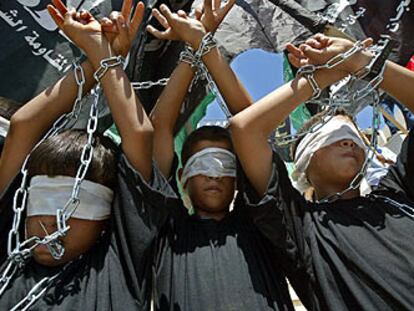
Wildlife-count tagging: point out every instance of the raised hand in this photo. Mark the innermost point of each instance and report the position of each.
(177, 26)
(211, 13)
(319, 49)
(81, 27)
(120, 29)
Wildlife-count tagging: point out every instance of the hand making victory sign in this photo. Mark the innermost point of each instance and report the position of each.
(119, 29)
(178, 26)
(101, 42)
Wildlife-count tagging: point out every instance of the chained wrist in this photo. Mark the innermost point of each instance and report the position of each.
(107, 63)
(375, 67)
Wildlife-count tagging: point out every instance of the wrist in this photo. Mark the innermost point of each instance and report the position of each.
(196, 40)
(358, 61)
(96, 53)
(326, 77)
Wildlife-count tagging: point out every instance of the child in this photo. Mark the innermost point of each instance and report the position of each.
(107, 258)
(214, 259)
(342, 251)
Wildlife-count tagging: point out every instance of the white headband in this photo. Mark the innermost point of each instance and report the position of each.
(211, 162)
(333, 131)
(48, 194)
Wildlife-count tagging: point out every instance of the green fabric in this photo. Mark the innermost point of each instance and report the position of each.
(113, 134)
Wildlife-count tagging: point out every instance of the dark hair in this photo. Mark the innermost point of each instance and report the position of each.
(311, 122)
(212, 133)
(8, 107)
(60, 155)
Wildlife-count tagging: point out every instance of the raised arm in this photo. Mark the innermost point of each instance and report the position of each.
(398, 81)
(129, 115)
(31, 121)
(252, 127)
(180, 27)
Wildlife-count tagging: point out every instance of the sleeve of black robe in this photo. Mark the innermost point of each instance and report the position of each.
(140, 209)
(400, 176)
(279, 216)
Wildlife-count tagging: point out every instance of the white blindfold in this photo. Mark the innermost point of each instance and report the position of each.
(333, 131)
(48, 194)
(211, 162)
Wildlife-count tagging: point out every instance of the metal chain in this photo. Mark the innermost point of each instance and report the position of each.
(405, 208)
(144, 85)
(356, 182)
(18, 252)
(207, 44)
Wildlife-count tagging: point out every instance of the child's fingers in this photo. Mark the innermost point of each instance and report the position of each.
(56, 16)
(198, 13)
(182, 14)
(86, 15)
(137, 19)
(156, 33)
(313, 43)
(160, 18)
(109, 25)
(60, 7)
(294, 60)
(167, 13)
(208, 6)
(294, 50)
(216, 4)
(126, 9)
(123, 31)
(368, 42)
(312, 53)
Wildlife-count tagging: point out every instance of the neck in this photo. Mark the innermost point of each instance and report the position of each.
(328, 190)
(211, 215)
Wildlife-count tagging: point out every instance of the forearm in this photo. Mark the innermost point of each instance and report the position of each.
(233, 91)
(39, 114)
(251, 127)
(399, 83)
(268, 113)
(33, 120)
(165, 114)
(134, 125)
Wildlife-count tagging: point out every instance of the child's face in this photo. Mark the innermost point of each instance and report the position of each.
(82, 235)
(210, 195)
(337, 163)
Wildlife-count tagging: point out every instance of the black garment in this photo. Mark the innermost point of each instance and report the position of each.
(114, 275)
(204, 264)
(355, 254)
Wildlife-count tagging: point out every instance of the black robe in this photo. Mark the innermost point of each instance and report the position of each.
(354, 254)
(114, 275)
(204, 264)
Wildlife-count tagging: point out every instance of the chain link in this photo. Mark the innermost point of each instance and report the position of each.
(20, 252)
(201, 72)
(144, 85)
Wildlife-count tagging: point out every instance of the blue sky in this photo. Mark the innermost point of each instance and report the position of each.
(261, 72)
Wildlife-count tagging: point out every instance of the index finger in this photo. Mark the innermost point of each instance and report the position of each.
(60, 7)
(208, 6)
(137, 18)
(126, 9)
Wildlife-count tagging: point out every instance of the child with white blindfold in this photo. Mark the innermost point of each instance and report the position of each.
(215, 258)
(342, 251)
(106, 260)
